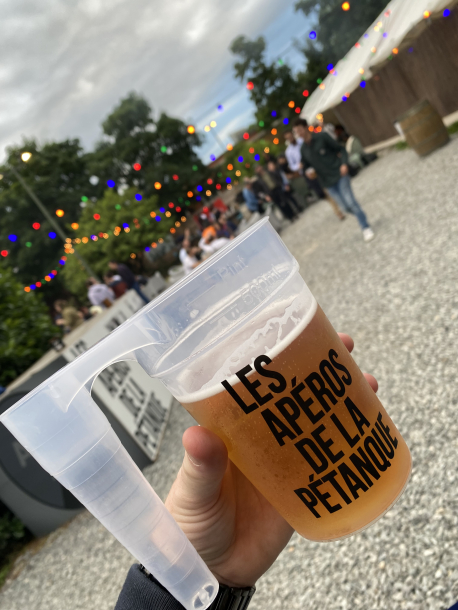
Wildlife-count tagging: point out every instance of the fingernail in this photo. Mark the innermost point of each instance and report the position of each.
(194, 460)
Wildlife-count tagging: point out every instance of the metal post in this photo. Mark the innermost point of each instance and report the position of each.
(50, 219)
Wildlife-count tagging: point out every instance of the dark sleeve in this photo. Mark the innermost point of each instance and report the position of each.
(126, 275)
(141, 593)
(332, 144)
(305, 163)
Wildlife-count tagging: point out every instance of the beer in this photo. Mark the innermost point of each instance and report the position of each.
(304, 426)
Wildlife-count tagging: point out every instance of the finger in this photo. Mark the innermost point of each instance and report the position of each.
(347, 341)
(372, 381)
(203, 468)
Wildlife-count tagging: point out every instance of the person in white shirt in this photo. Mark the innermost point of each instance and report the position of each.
(99, 294)
(293, 152)
(184, 246)
(209, 244)
(189, 260)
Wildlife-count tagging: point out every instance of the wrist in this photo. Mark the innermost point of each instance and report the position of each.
(232, 598)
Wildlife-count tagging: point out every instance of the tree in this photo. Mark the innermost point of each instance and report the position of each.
(338, 30)
(58, 175)
(316, 67)
(164, 149)
(274, 85)
(252, 154)
(25, 327)
(138, 229)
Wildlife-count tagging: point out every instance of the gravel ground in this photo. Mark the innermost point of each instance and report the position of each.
(397, 297)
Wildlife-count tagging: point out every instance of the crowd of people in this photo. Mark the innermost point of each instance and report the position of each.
(217, 231)
(325, 159)
(117, 280)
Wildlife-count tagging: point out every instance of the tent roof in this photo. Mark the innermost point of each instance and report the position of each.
(401, 22)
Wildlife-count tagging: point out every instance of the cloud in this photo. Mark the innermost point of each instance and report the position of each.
(67, 64)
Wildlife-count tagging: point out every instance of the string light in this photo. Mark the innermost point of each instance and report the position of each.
(312, 35)
(229, 147)
(191, 129)
(273, 131)
(305, 93)
(426, 14)
(157, 186)
(267, 150)
(4, 253)
(395, 51)
(12, 238)
(60, 213)
(96, 216)
(291, 104)
(213, 124)
(75, 226)
(346, 6)
(246, 136)
(207, 128)
(250, 85)
(276, 141)
(47, 278)
(137, 167)
(36, 226)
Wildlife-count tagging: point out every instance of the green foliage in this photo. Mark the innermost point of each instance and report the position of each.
(57, 174)
(11, 530)
(242, 149)
(316, 67)
(163, 148)
(453, 128)
(338, 30)
(25, 327)
(114, 210)
(401, 145)
(274, 84)
(13, 536)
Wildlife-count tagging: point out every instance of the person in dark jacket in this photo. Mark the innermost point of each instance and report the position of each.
(329, 160)
(273, 183)
(128, 277)
(236, 531)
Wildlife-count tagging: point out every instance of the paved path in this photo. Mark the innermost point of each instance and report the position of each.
(398, 297)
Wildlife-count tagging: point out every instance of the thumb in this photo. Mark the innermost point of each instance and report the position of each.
(205, 462)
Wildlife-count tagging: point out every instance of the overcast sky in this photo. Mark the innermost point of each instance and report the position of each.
(66, 63)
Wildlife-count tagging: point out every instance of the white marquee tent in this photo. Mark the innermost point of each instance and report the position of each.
(396, 27)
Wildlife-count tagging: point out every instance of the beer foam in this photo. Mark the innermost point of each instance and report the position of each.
(278, 332)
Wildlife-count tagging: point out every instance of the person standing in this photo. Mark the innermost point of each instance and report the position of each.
(128, 277)
(330, 162)
(287, 175)
(294, 156)
(100, 295)
(274, 181)
(251, 200)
